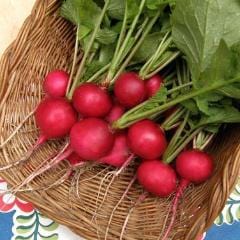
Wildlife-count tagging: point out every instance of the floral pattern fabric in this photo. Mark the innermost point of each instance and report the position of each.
(19, 220)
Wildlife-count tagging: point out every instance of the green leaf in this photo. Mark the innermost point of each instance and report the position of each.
(191, 106)
(25, 219)
(106, 36)
(204, 102)
(159, 98)
(213, 128)
(229, 216)
(156, 4)
(106, 53)
(91, 69)
(24, 238)
(51, 237)
(225, 114)
(25, 229)
(83, 32)
(116, 8)
(199, 26)
(232, 91)
(219, 220)
(220, 67)
(81, 12)
(148, 47)
(238, 213)
(50, 227)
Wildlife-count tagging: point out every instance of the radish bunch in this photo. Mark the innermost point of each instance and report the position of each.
(88, 122)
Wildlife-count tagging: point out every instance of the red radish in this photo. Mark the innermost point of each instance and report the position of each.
(91, 138)
(55, 83)
(146, 139)
(116, 112)
(193, 166)
(74, 159)
(157, 178)
(129, 89)
(119, 153)
(153, 84)
(55, 118)
(92, 101)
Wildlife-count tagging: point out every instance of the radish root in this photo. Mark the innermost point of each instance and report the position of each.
(114, 175)
(117, 205)
(141, 198)
(39, 142)
(182, 186)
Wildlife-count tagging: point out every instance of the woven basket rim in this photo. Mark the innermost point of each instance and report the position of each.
(219, 187)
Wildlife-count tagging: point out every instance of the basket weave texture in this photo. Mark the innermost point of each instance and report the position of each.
(44, 43)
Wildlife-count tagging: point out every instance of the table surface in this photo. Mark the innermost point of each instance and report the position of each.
(19, 220)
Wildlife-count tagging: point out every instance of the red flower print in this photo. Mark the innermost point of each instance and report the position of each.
(9, 202)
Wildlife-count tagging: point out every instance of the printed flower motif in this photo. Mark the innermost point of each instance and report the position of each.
(231, 211)
(9, 202)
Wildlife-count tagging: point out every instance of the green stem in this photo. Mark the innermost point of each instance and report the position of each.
(74, 62)
(98, 73)
(136, 39)
(123, 30)
(124, 45)
(91, 56)
(89, 46)
(173, 118)
(139, 43)
(163, 64)
(182, 146)
(123, 121)
(180, 87)
(171, 145)
(148, 65)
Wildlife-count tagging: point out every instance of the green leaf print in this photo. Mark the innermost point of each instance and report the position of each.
(231, 211)
(35, 226)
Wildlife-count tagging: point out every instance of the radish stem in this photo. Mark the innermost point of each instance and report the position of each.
(86, 54)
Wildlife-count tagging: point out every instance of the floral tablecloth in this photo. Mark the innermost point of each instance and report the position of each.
(20, 221)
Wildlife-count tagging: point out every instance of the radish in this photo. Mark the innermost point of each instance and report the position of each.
(116, 112)
(91, 138)
(91, 101)
(146, 139)
(55, 83)
(193, 166)
(153, 84)
(129, 89)
(74, 159)
(55, 118)
(157, 178)
(119, 153)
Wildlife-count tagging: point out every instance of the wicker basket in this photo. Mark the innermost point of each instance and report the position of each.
(46, 42)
